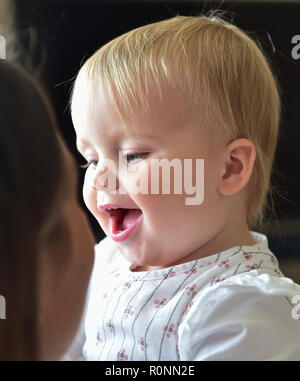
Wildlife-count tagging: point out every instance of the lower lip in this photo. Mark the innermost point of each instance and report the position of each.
(118, 237)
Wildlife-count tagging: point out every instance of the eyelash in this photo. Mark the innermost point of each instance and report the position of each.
(138, 154)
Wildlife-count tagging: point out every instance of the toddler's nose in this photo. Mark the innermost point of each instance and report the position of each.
(105, 179)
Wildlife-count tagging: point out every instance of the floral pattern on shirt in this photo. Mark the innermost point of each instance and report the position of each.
(139, 317)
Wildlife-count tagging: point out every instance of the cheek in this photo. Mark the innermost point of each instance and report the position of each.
(211, 182)
(164, 180)
(163, 213)
(142, 180)
(146, 190)
(138, 179)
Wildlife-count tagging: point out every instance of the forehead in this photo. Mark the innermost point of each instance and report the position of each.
(97, 112)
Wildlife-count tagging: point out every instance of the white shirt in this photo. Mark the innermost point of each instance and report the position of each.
(233, 305)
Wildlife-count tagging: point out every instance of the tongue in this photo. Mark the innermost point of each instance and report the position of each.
(129, 218)
(122, 219)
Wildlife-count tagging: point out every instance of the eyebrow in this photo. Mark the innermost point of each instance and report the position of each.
(137, 136)
(81, 142)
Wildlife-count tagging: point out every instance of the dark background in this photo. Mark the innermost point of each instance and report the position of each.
(58, 36)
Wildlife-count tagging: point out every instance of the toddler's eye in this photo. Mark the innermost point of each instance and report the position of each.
(91, 162)
(130, 157)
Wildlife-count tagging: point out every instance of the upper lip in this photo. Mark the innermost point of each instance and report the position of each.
(104, 207)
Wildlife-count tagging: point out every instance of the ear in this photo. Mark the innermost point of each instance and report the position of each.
(238, 166)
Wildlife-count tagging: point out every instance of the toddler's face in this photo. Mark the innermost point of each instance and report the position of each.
(167, 231)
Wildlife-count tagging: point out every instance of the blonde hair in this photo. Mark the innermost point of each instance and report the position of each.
(224, 78)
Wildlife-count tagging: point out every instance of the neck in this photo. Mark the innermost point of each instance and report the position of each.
(230, 236)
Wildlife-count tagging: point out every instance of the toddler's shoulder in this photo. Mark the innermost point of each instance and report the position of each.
(262, 282)
(244, 290)
(247, 317)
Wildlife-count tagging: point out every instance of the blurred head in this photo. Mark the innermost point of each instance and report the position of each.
(46, 244)
(180, 88)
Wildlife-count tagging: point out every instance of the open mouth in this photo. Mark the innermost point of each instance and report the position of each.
(123, 221)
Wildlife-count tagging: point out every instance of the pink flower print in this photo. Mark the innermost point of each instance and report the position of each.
(122, 356)
(170, 330)
(136, 277)
(225, 263)
(177, 353)
(191, 271)
(277, 272)
(217, 279)
(128, 312)
(126, 285)
(143, 344)
(209, 263)
(247, 256)
(99, 338)
(252, 267)
(167, 275)
(160, 303)
(191, 290)
(273, 260)
(110, 325)
(187, 308)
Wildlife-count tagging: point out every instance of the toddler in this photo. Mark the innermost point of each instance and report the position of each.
(178, 280)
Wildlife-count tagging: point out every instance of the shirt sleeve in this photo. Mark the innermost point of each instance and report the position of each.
(236, 322)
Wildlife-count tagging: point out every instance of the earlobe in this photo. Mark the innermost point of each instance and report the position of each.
(238, 166)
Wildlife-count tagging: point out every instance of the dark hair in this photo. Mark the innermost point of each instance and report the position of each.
(31, 181)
